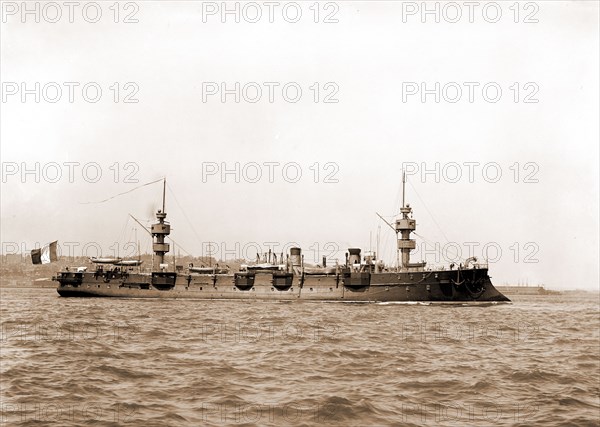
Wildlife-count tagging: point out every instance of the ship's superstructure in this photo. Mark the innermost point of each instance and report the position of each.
(160, 231)
(404, 226)
(359, 279)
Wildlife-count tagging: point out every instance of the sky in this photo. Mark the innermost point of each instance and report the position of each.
(289, 123)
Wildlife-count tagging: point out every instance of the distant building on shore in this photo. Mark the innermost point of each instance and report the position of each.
(525, 290)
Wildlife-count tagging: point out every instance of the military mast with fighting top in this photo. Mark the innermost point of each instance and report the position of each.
(405, 226)
(161, 230)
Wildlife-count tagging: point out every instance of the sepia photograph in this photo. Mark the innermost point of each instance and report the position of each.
(300, 213)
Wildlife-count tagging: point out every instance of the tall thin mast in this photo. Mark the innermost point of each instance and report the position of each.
(403, 187)
(378, 234)
(164, 190)
(137, 242)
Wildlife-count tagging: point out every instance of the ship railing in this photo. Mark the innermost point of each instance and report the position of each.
(471, 266)
(431, 267)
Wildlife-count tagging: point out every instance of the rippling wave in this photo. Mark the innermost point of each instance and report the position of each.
(169, 362)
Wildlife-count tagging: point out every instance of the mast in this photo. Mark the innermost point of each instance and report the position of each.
(161, 230)
(137, 242)
(403, 187)
(164, 191)
(138, 251)
(378, 234)
(405, 226)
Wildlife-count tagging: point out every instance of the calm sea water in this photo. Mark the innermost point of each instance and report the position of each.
(172, 362)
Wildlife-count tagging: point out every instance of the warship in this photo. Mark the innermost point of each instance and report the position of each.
(361, 278)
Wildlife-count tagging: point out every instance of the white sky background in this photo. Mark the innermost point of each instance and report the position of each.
(368, 134)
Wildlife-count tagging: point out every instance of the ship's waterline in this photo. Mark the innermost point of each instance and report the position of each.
(360, 287)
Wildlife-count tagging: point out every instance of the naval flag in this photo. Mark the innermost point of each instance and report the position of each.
(45, 255)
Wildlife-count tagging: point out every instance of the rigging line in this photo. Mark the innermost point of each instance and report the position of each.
(120, 194)
(146, 229)
(185, 215)
(122, 233)
(179, 246)
(429, 212)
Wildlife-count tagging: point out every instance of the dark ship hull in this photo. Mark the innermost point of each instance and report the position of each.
(433, 286)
